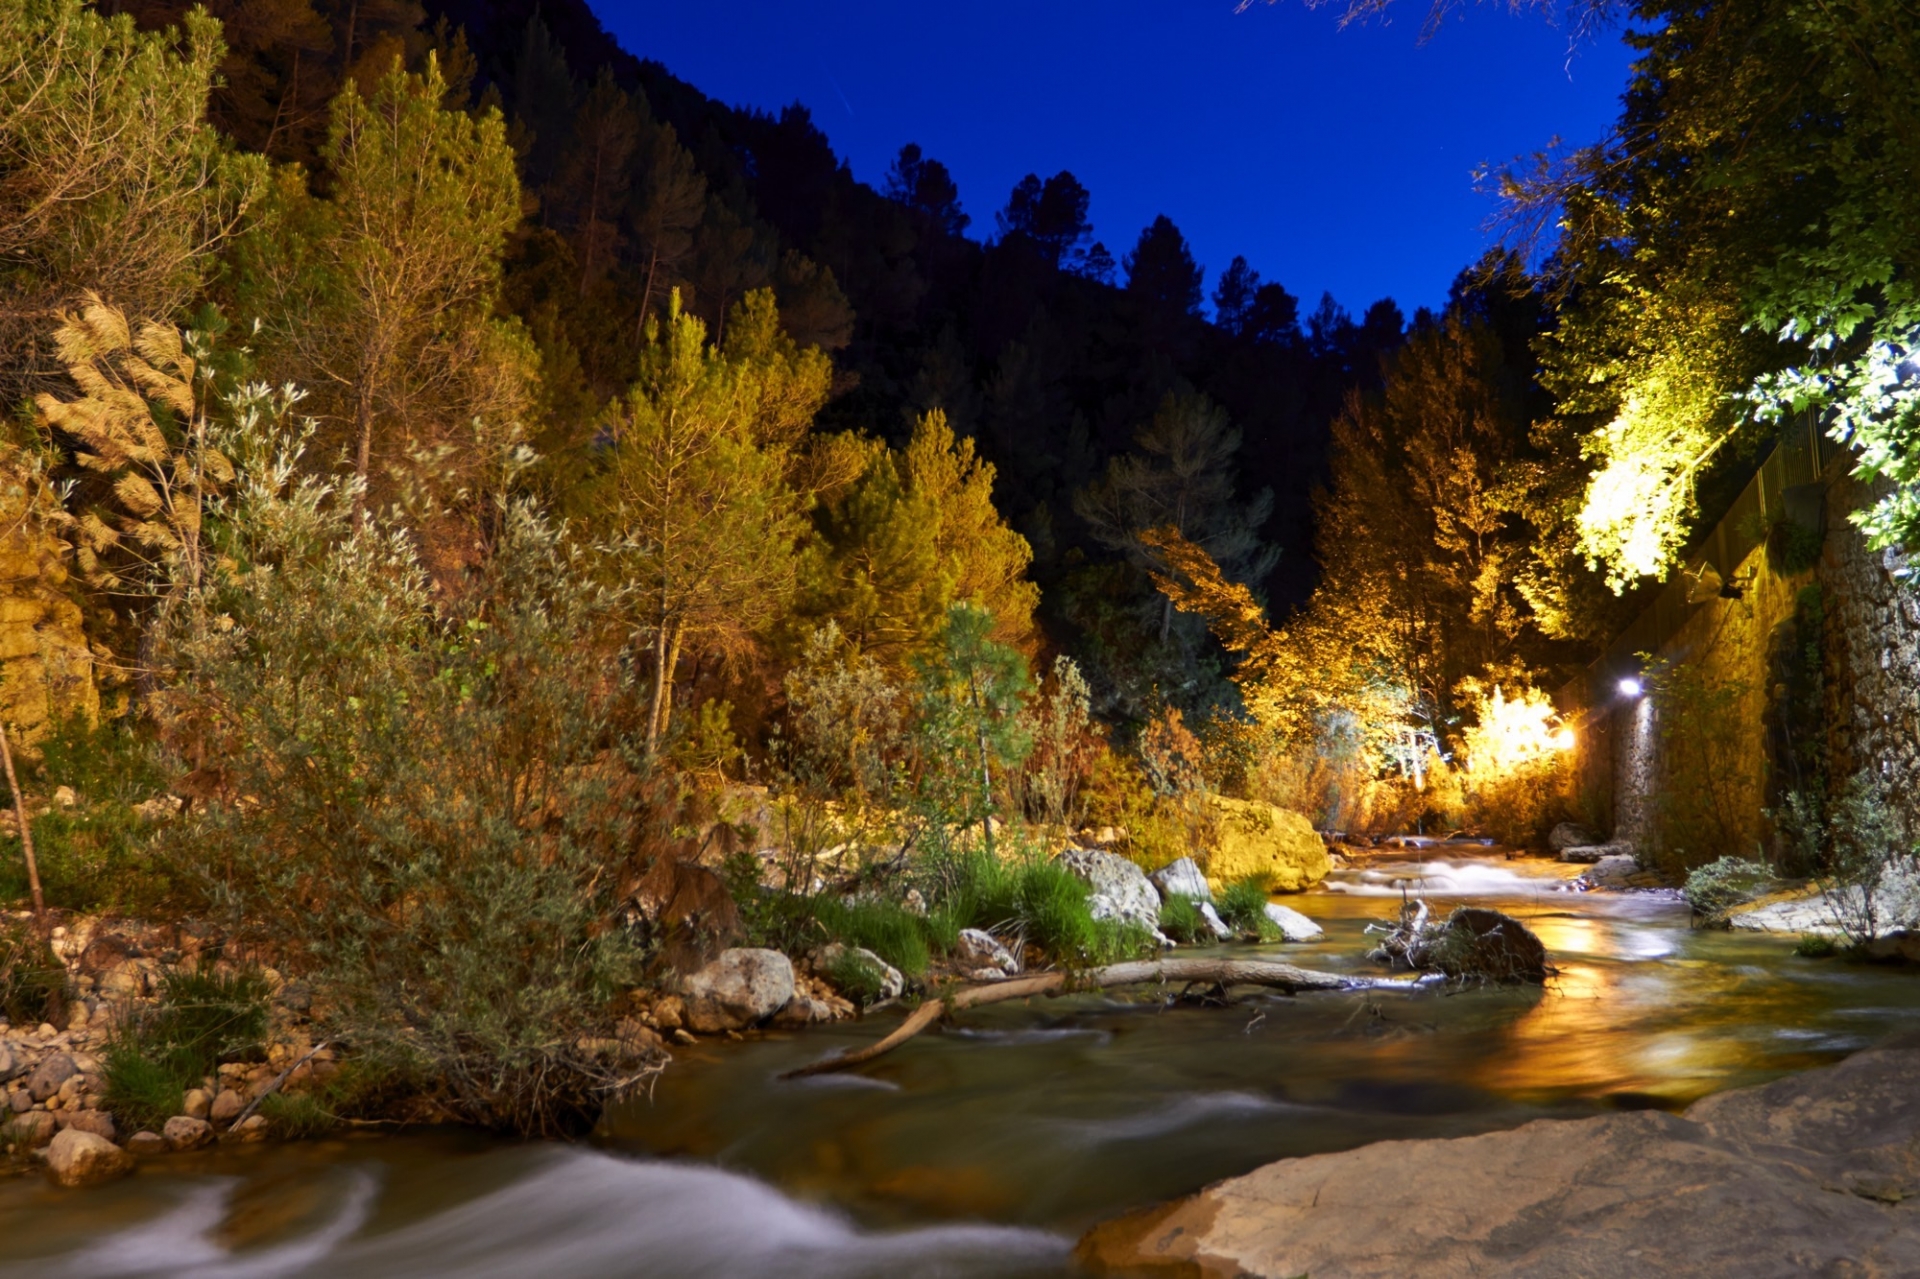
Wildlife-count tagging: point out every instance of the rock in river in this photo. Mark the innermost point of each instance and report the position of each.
(1292, 924)
(739, 989)
(1275, 845)
(1814, 1174)
(80, 1158)
(1182, 879)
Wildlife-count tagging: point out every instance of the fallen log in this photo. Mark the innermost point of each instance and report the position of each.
(1220, 972)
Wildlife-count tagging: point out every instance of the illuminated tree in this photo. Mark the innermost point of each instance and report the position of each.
(110, 177)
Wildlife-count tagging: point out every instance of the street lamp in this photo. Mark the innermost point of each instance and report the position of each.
(1630, 686)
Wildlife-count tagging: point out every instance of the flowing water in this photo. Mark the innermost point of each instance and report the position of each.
(984, 1150)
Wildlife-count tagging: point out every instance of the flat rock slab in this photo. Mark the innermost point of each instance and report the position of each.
(1814, 1174)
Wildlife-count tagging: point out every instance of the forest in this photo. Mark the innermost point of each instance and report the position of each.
(528, 525)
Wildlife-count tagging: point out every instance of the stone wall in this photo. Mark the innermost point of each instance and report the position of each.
(1869, 668)
(1872, 643)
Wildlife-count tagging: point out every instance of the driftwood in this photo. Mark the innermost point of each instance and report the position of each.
(1221, 972)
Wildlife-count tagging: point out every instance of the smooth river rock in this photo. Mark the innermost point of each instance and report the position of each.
(741, 988)
(977, 948)
(1814, 1174)
(1182, 879)
(81, 1158)
(1292, 924)
(1570, 835)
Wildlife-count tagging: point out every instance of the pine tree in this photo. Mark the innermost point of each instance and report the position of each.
(112, 180)
(380, 296)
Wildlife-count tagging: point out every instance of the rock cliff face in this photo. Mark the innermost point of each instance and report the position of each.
(1818, 1173)
(46, 665)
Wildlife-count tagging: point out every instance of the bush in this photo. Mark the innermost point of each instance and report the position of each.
(450, 784)
(298, 1116)
(857, 977)
(1181, 920)
(1719, 886)
(1816, 946)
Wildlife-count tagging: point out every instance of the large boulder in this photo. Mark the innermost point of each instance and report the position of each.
(1120, 889)
(81, 1158)
(1814, 1174)
(1570, 835)
(1264, 841)
(741, 988)
(1182, 879)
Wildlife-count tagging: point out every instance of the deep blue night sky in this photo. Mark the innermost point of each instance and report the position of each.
(1335, 160)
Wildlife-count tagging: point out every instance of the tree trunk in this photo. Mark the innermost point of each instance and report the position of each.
(1223, 972)
(26, 828)
(666, 658)
(363, 456)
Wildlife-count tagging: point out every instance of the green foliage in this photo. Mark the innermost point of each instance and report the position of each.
(1872, 872)
(298, 1116)
(202, 1017)
(1720, 885)
(33, 981)
(699, 521)
(445, 799)
(1243, 906)
(886, 928)
(1180, 919)
(857, 977)
(969, 692)
(114, 180)
(379, 295)
(97, 855)
(1816, 946)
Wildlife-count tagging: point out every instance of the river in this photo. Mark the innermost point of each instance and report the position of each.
(985, 1150)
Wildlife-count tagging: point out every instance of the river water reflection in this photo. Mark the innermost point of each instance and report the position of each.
(985, 1149)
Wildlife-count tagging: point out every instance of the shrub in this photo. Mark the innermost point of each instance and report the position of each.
(857, 977)
(97, 855)
(1719, 886)
(450, 783)
(1873, 875)
(298, 1116)
(1816, 946)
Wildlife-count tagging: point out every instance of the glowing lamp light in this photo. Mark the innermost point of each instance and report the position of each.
(1631, 687)
(1563, 739)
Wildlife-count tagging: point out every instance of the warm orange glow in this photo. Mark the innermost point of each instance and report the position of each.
(1513, 732)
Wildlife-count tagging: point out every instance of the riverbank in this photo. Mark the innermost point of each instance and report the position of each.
(988, 1147)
